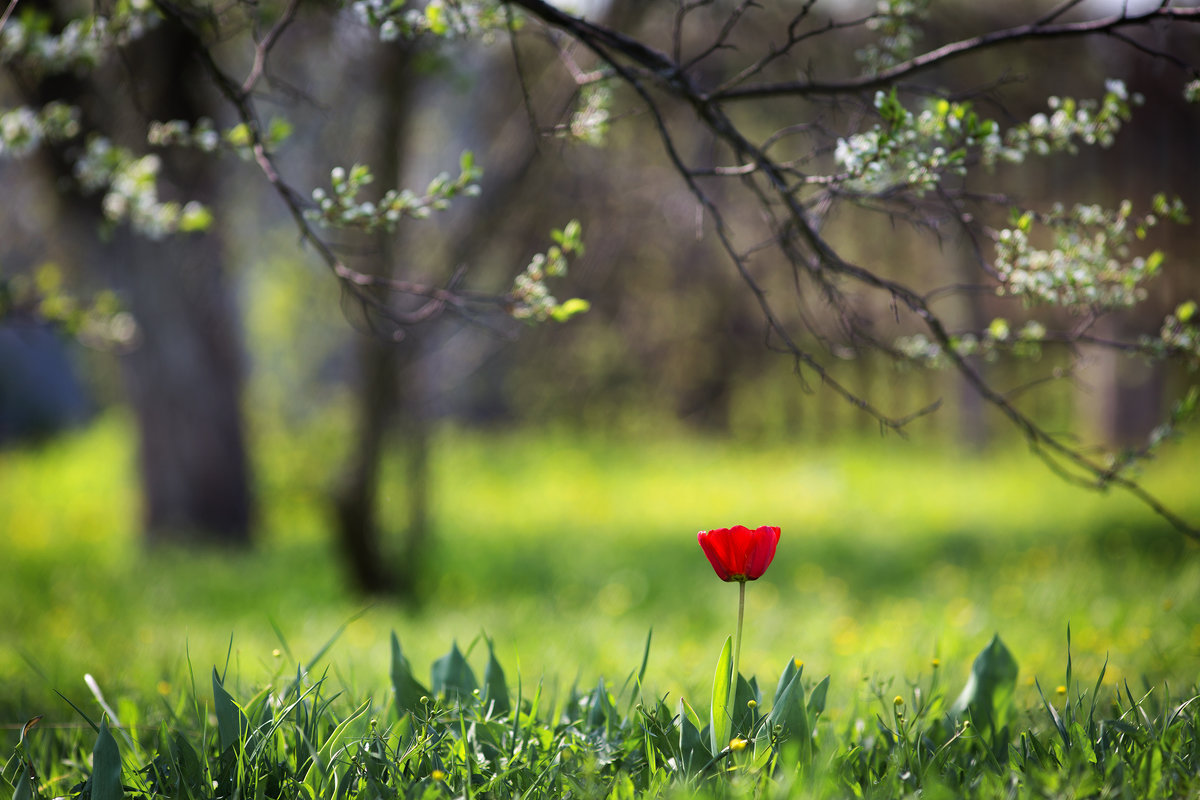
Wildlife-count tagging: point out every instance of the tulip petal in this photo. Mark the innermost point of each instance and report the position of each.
(766, 539)
(741, 544)
(739, 553)
(715, 551)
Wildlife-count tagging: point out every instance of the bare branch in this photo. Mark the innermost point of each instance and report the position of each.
(793, 38)
(263, 48)
(1055, 13)
(722, 36)
(1153, 52)
(802, 245)
(948, 52)
(355, 282)
(520, 69)
(681, 13)
(7, 13)
(775, 325)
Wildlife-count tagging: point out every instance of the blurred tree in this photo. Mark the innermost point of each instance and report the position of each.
(385, 393)
(809, 144)
(808, 138)
(183, 377)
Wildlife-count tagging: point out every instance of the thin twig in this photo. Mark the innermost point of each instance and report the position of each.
(355, 282)
(527, 101)
(263, 48)
(883, 78)
(7, 13)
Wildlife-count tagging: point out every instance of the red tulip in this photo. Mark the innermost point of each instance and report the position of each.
(738, 553)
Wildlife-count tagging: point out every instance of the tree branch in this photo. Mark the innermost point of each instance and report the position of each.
(263, 48)
(7, 13)
(1032, 31)
(806, 249)
(439, 298)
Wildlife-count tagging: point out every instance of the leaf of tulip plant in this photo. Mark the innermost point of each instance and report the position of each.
(23, 790)
(186, 761)
(230, 719)
(408, 691)
(744, 716)
(719, 719)
(790, 713)
(452, 676)
(106, 766)
(816, 700)
(495, 688)
(792, 670)
(988, 694)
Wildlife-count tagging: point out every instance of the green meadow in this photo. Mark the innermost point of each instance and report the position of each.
(568, 550)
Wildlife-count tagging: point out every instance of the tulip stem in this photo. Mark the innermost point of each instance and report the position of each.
(737, 657)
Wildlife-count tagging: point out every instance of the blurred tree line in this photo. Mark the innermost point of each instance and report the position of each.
(187, 299)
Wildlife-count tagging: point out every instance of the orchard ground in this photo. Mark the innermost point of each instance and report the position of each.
(567, 551)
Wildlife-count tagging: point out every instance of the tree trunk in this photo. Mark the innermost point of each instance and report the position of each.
(381, 396)
(356, 497)
(184, 383)
(184, 378)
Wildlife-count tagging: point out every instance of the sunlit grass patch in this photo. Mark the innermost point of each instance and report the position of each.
(294, 726)
(567, 549)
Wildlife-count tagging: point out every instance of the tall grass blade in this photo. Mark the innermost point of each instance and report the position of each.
(693, 752)
(316, 659)
(283, 642)
(78, 711)
(1054, 717)
(1091, 728)
(94, 688)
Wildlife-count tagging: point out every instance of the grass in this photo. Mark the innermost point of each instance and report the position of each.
(566, 550)
(297, 736)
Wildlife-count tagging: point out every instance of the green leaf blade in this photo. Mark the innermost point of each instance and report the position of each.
(452, 676)
(231, 722)
(719, 718)
(495, 687)
(407, 689)
(106, 766)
